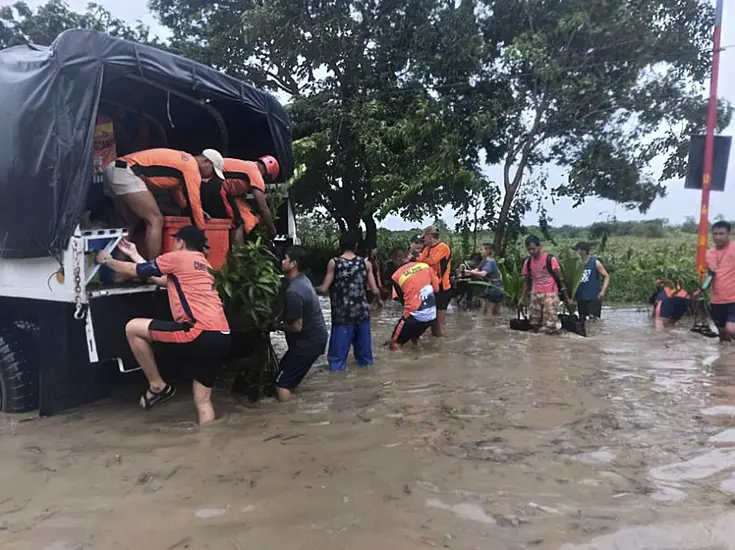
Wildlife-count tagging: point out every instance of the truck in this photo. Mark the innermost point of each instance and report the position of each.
(62, 337)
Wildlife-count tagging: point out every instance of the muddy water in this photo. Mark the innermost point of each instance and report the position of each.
(491, 439)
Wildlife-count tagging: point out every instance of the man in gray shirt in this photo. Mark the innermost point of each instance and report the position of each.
(303, 323)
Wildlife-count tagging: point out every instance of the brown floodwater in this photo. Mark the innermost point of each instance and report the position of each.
(489, 439)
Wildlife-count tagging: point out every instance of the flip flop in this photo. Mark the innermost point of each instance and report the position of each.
(151, 398)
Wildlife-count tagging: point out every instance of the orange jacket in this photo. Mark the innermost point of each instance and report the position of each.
(242, 176)
(174, 170)
(439, 258)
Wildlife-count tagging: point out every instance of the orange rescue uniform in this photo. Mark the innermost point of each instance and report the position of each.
(241, 177)
(439, 258)
(174, 170)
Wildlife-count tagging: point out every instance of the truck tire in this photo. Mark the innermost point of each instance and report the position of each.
(18, 367)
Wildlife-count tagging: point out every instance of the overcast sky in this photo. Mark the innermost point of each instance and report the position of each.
(676, 206)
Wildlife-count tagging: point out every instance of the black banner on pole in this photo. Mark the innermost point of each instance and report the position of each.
(719, 165)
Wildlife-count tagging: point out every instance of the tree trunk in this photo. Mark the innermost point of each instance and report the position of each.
(503, 218)
(371, 232)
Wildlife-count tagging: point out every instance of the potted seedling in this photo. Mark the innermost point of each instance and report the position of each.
(249, 284)
(572, 269)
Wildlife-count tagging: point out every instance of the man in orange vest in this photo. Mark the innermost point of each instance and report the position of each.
(242, 177)
(438, 256)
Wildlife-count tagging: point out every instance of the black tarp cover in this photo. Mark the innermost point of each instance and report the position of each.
(48, 107)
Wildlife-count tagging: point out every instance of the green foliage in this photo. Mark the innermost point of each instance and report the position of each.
(402, 103)
(572, 269)
(512, 281)
(597, 87)
(362, 80)
(19, 24)
(249, 285)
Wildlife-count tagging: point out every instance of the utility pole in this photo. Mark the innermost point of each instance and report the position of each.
(709, 142)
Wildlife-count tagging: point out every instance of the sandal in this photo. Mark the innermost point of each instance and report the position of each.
(151, 398)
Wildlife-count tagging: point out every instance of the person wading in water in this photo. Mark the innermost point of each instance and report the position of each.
(589, 294)
(721, 279)
(489, 272)
(347, 277)
(415, 248)
(542, 274)
(414, 285)
(438, 256)
(302, 321)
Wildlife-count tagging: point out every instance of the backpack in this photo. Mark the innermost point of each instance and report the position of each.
(549, 257)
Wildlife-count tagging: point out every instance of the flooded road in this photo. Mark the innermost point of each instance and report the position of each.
(490, 439)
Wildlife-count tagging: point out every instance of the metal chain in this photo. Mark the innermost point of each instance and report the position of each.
(78, 306)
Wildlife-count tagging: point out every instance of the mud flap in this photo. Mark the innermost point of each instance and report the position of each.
(66, 377)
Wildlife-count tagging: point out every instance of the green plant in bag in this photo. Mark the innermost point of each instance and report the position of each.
(249, 285)
(572, 268)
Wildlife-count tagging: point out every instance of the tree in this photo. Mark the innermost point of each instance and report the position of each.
(592, 82)
(362, 77)
(19, 24)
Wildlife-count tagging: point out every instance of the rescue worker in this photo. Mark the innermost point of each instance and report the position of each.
(242, 177)
(414, 285)
(129, 180)
(438, 256)
(199, 333)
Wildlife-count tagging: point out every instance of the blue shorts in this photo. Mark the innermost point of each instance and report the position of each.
(722, 314)
(495, 295)
(675, 307)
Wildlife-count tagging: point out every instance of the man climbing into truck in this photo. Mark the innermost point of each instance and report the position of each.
(199, 333)
(129, 180)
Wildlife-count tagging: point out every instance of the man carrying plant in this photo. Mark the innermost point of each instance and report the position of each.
(489, 273)
(438, 256)
(589, 295)
(721, 279)
(199, 334)
(243, 177)
(347, 277)
(303, 323)
(414, 285)
(542, 273)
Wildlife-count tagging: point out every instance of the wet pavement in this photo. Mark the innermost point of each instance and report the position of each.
(490, 439)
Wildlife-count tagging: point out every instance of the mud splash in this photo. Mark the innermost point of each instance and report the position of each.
(489, 439)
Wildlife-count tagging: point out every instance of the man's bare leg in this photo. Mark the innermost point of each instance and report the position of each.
(237, 236)
(727, 333)
(139, 339)
(437, 327)
(203, 402)
(144, 205)
(283, 395)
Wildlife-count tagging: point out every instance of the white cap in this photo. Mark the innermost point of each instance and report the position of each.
(214, 156)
